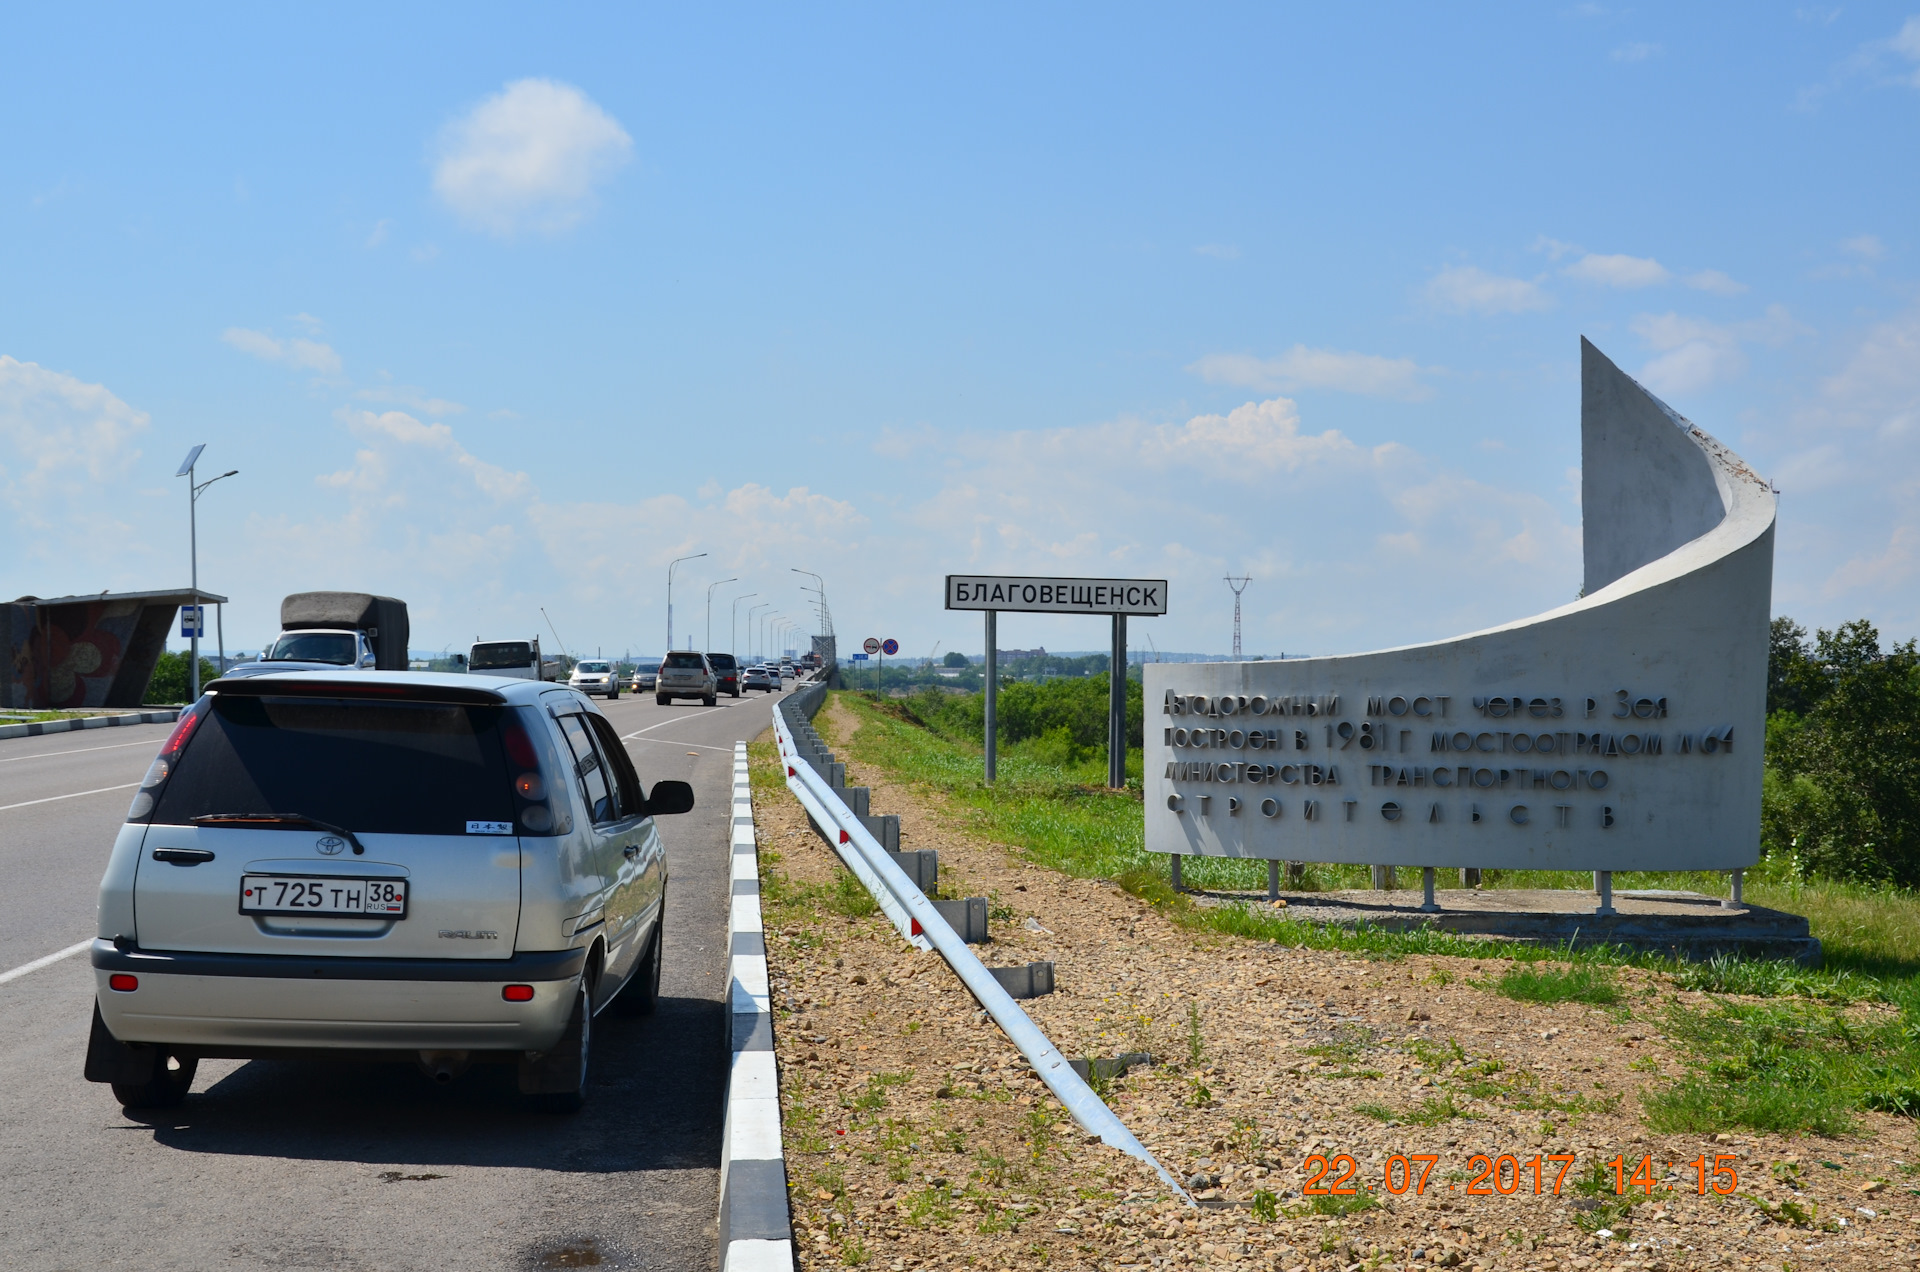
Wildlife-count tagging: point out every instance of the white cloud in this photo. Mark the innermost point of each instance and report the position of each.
(1300, 367)
(61, 434)
(1637, 52)
(378, 234)
(1712, 280)
(296, 351)
(1618, 271)
(1468, 289)
(1866, 246)
(413, 396)
(373, 468)
(528, 158)
(1694, 354)
(1906, 43)
(1553, 247)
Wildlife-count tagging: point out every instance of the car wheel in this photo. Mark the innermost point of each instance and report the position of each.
(641, 994)
(172, 1079)
(710, 699)
(662, 699)
(566, 1064)
(613, 695)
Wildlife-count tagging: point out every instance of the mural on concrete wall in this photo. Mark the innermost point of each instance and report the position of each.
(83, 651)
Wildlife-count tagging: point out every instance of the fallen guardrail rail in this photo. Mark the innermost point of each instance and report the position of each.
(919, 923)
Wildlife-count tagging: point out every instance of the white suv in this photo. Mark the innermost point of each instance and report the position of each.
(594, 676)
(454, 869)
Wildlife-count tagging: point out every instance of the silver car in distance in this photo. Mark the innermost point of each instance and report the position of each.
(449, 869)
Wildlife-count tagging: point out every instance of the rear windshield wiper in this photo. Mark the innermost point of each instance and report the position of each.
(280, 821)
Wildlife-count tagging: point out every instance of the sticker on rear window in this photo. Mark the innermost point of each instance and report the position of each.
(489, 828)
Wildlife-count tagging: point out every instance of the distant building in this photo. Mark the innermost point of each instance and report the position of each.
(1008, 655)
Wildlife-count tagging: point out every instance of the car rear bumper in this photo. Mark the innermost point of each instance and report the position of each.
(243, 1002)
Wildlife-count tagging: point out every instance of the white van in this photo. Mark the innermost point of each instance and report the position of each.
(513, 660)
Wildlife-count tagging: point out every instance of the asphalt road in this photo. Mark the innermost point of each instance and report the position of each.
(273, 1164)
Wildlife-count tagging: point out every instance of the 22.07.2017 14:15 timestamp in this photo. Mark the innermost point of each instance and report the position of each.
(1502, 1175)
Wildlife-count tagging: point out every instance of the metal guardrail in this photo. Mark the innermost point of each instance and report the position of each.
(919, 923)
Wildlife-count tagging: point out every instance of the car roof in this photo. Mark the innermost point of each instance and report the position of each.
(505, 688)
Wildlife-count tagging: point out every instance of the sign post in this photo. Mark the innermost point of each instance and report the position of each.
(1117, 597)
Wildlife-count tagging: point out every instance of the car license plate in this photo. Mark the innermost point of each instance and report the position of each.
(287, 894)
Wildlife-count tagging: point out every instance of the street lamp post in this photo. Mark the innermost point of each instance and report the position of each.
(750, 629)
(826, 615)
(710, 588)
(670, 565)
(733, 627)
(193, 552)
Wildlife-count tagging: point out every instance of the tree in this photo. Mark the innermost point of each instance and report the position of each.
(168, 684)
(1842, 793)
(954, 658)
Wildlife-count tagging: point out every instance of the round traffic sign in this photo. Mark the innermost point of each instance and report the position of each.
(872, 645)
(889, 646)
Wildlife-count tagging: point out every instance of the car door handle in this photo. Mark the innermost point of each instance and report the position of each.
(183, 856)
(631, 851)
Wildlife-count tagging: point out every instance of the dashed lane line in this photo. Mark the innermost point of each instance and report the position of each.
(78, 750)
(46, 961)
(98, 790)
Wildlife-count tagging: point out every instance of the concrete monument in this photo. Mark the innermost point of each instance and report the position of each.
(1620, 732)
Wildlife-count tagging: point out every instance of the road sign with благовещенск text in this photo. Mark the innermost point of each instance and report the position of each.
(1056, 595)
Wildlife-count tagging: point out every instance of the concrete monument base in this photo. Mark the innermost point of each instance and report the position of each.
(1686, 925)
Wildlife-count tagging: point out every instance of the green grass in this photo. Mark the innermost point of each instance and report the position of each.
(1786, 1065)
(1579, 984)
(1059, 815)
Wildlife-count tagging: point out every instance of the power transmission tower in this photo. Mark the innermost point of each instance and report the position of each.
(1238, 585)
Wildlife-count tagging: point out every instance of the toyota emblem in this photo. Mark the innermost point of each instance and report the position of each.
(330, 846)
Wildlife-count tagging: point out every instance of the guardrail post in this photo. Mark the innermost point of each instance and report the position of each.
(1117, 706)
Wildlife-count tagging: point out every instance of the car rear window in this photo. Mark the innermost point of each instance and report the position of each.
(683, 661)
(408, 768)
(721, 662)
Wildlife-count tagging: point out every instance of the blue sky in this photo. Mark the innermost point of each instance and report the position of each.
(497, 310)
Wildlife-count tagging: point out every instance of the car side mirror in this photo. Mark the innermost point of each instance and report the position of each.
(667, 798)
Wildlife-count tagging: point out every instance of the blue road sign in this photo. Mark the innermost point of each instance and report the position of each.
(889, 646)
(193, 620)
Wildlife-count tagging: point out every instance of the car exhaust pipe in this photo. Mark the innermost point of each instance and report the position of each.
(444, 1066)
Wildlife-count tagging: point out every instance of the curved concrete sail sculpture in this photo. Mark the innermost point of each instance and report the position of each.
(1620, 732)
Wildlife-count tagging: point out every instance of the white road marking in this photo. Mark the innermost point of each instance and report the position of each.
(677, 719)
(39, 963)
(98, 790)
(670, 742)
(78, 750)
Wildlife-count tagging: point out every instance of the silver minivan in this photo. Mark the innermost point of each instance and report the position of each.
(447, 869)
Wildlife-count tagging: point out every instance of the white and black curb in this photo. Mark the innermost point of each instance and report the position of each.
(38, 727)
(756, 1229)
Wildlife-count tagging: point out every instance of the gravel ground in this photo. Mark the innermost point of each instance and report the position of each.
(918, 1137)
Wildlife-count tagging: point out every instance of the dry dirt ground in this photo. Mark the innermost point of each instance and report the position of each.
(918, 1138)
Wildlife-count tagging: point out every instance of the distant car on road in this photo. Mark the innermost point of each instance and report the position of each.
(313, 867)
(684, 673)
(762, 679)
(591, 675)
(645, 676)
(726, 674)
(513, 659)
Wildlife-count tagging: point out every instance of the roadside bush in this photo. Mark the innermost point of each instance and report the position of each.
(169, 682)
(1062, 721)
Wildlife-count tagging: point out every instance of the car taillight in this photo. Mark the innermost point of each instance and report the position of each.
(125, 982)
(512, 993)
